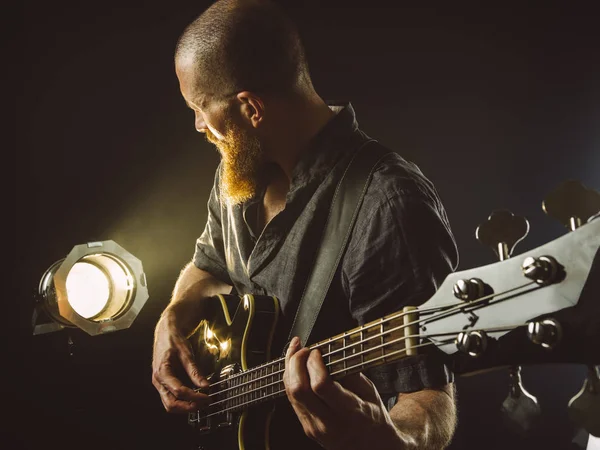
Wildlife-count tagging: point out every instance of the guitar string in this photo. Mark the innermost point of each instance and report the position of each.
(235, 407)
(441, 315)
(424, 320)
(345, 358)
(280, 360)
(445, 312)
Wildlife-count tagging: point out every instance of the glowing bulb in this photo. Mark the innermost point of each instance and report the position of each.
(209, 333)
(88, 289)
(224, 345)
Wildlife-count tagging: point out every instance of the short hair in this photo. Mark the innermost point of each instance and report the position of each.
(245, 45)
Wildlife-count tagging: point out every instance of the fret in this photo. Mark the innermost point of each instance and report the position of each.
(251, 387)
(381, 330)
(280, 376)
(344, 355)
(230, 393)
(248, 387)
(239, 380)
(261, 384)
(237, 390)
(240, 389)
(242, 397)
(362, 346)
(269, 380)
(272, 378)
(251, 391)
(329, 353)
(233, 393)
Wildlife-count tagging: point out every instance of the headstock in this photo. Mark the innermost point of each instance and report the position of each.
(541, 306)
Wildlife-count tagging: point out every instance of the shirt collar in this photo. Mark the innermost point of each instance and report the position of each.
(326, 147)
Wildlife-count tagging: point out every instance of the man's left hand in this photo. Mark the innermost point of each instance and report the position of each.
(348, 414)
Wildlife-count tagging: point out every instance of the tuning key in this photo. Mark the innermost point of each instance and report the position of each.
(473, 343)
(546, 333)
(572, 204)
(542, 270)
(520, 409)
(584, 408)
(469, 290)
(502, 231)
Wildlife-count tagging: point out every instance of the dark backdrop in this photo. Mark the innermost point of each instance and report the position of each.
(497, 106)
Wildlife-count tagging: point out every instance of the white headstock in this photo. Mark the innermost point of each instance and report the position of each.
(513, 299)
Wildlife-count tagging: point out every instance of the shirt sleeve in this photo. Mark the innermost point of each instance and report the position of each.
(209, 254)
(401, 250)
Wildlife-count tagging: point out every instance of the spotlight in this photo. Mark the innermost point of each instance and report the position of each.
(99, 287)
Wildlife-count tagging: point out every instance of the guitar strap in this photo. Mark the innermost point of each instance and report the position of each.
(345, 206)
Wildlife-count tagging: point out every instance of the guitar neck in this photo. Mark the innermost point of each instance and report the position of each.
(376, 343)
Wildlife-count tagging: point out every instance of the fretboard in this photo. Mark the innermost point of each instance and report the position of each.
(375, 343)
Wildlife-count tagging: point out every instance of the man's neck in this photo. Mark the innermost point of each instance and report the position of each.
(296, 127)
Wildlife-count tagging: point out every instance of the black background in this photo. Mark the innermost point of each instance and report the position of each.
(496, 105)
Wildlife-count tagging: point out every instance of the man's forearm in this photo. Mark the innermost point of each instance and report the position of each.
(426, 419)
(192, 285)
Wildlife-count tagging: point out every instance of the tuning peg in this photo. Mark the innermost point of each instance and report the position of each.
(520, 409)
(546, 333)
(473, 343)
(542, 270)
(502, 231)
(572, 204)
(469, 290)
(584, 408)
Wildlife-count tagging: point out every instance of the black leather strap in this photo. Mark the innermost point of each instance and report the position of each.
(346, 203)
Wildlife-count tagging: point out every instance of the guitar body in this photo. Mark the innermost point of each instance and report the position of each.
(236, 335)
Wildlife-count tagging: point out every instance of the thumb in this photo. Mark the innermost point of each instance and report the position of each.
(191, 368)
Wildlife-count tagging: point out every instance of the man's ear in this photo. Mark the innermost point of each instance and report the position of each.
(252, 108)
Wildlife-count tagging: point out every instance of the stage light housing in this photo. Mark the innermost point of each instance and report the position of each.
(98, 287)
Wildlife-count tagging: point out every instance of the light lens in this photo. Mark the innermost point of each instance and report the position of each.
(88, 289)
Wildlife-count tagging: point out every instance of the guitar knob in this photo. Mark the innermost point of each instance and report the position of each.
(472, 343)
(542, 270)
(468, 290)
(546, 333)
(584, 408)
(520, 409)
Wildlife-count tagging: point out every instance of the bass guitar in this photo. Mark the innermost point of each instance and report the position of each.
(538, 307)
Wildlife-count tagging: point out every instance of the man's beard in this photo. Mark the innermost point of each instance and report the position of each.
(241, 163)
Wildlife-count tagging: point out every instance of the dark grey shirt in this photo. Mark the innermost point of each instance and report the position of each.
(400, 250)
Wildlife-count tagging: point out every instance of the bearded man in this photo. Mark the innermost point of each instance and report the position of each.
(242, 70)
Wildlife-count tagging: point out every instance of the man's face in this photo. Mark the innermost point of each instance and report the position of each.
(242, 157)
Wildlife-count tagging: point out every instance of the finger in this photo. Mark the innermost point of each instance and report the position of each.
(292, 348)
(174, 405)
(330, 392)
(166, 378)
(298, 386)
(190, 367)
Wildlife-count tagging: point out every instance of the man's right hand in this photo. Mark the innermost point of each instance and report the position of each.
(172, 352)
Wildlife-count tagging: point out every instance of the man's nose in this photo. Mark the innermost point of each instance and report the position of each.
(200, 124)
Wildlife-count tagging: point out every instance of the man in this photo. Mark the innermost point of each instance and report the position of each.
(242, 70)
